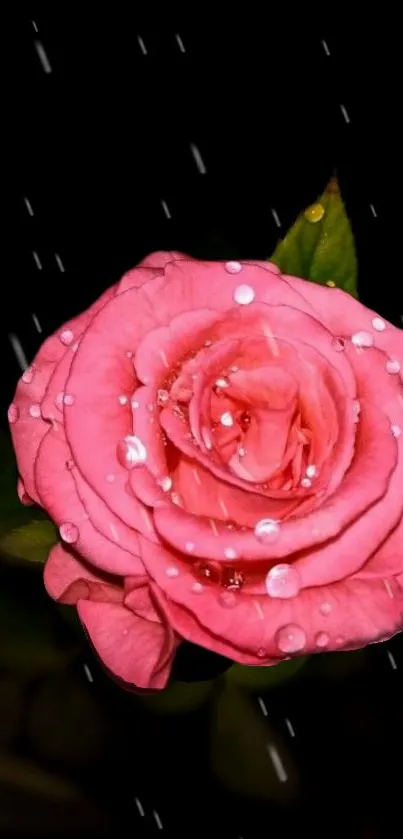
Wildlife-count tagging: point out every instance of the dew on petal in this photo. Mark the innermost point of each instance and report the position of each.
(131, 452)
(241, 451)
(290, 638)
(34, 410)
(378, 324)
(165, 483)
(172, 571)
(267, 530)
(340, 640)
(69, 532)
(227, 419)
(177, 499)
(197, 588)
(322, 639)
(13, 413)
(396, 431)
(356, 410)
(28, 374)
(230, 553)
(306, 483)
(244, 294)
(283, 581)
(189, 547)
(110, 478)
(162, 396)
(68, 399)
(122, 399)
(338, 344)
(325, 608)
(392, 366)
(129, 354)
(362, 339)
(222, 382)
(233, 267)
(261, 653)
(66, 337)
(311, 471)
(232, 579)
(135, 404)
(228, 599)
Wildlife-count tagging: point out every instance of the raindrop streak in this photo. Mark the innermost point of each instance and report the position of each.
(38, 262)
(139, 806)
(277, 763)
(165, 208)
(345, 114)
(198, 159)
(275, 216)
(373, 211)
(59, 263)
(88, 673)
(262, 705)
(325, 47)
(290, 727)
(28, 206)
(18, 351)
(157, 820)
(392, 660)
(180, 42)
(142, 45)
(34, 25)
(43, 57)
(36, 323)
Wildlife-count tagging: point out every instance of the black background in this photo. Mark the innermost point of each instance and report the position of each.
(102, 115)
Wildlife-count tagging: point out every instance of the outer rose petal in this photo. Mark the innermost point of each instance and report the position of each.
(68, 579)
(136, 650)
(350, 612)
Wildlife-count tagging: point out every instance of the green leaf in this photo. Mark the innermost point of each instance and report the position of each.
(30, 542)
(320, 245)
(179, 697)
(248, 756)
(264, 678)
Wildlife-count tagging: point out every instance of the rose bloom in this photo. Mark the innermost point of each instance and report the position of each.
(221, 449)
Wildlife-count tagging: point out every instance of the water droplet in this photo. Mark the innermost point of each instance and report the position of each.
(338, 344)
(34, 410)
(228, 599)
(172, 571)
(68, 399)
(340, 640)
(290, 638)
(362, 339)
(135, 404)
(222, 382)
(177, 499)
(232, 579)
(227, 419)
(330, 284)
(306, 483)
(13, 413)
(378, 324)
(325, 608)
(208, 343)
(356, 410)
(67, 337)
(244, 294)
(162, 396)
(197, 588)
(122, 400)
(314, 213)
(110, 478)
(28, 374)
(233, 267)
(322, 639)
(311, 471)
(234, 368)
(131, 452)
(395, 429)
(283, 581)
(165, 483)
(189, 547)
(231, 553)
(392, 366)
(129, 354)
(69, 532)
(245, 420)
(267, 530)
(261, 653)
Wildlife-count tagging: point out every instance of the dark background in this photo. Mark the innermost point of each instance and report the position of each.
(126, 140)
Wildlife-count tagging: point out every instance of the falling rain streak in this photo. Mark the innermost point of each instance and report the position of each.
(18, 351)
(198, 159)
(180, 42)
(142, 45)
(40, 49)
(275, 216)
(277, 763)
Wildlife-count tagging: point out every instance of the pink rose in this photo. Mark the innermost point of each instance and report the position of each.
(221, 449)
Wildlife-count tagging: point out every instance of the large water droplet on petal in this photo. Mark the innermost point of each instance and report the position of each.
(69, 532)
(392, 366)
(131, 452)
(362, 339)
(233, 267)
(290, 638)
(244, 294)
(378, 324)
(267, 530)
(322, 639)
(283, 581)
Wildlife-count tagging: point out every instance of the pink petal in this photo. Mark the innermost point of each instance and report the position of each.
(68, 579)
